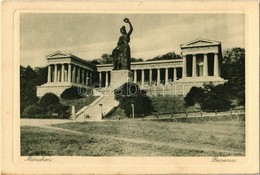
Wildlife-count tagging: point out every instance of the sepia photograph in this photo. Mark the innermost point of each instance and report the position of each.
(132, 84)
(132, 89)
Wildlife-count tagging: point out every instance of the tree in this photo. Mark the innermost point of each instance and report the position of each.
(196, 94)
(210, 97)
(106, 59)
(27, 87)
(41, 75)
(216, 97)
(75, 93)
(136, 59)
(49, 99)
(33, 111)
(233, 69)
(130, 93)
(167, 56)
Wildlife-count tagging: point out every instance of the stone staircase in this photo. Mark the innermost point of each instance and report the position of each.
(92, 112)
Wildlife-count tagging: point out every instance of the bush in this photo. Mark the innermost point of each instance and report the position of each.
(129, 94)
(32, 110)
(210, 97)
(60, 109)
(75, 93)
(195, 94)
(216, 98)
(49, 99)
(168, 104)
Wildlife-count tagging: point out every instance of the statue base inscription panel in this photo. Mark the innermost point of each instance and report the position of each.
(119, 77)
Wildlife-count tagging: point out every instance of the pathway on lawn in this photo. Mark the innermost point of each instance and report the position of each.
(46, 125)
(42, 122)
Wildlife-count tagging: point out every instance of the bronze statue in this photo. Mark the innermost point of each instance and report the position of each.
(122, 54)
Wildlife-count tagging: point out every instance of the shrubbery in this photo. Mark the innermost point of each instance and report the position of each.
(196, 94)
(33, 110)
(130, 93)
(210, 97)
(168, 104)
(75, 93)
(49, 99)
(48, 105)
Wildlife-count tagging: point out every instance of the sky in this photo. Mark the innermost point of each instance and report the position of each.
(88, 36)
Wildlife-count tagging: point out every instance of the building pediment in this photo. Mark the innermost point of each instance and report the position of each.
(58, 54)
(200, 43)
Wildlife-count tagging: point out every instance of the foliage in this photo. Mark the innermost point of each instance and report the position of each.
(33, 110)
(29, 79)
(167, 56)
(104, 59)
(79, 103)
(49, 99)
(168, 104)
(233, 69)
(196, 94)
(221, 96)
(75, 93)
(130, 93)
(216, 97)
(94, 62)
(210, 97)
(30, 104)
(136, 59)
(60, 109)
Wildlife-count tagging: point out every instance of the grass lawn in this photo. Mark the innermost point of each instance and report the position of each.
(79, 103)
(137, 138)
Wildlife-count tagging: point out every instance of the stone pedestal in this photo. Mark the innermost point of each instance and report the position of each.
(119, 77)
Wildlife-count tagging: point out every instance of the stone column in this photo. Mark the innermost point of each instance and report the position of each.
(166, 76)
(142, 77)
(158, 76)
(87, 78)
(150, 76)
(205, 65)
(69, 72)
(90, 78)
(58, 74)
(49, 73)
(106, 83)
(184, 72)
(55, 73)
(135, 76)
(174, 74)
(62, 73)
(216, 65)
(78, 76)
(194, 66)
(83, 76)
(74, 74)
(100, 77)
(66, 75)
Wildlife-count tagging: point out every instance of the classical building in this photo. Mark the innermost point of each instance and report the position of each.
(200, 63)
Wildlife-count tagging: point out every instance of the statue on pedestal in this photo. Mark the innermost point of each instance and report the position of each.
(122, 54)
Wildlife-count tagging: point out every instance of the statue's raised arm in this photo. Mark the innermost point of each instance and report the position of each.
(126, 20)
(122, 53)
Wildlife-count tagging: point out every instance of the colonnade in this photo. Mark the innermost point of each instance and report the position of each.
(158, 75)
(106, 75)
(69, 73)
(205, 65)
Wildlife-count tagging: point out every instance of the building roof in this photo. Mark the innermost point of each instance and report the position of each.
(200, 43)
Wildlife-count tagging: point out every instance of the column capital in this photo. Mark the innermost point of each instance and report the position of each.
(215, 53)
